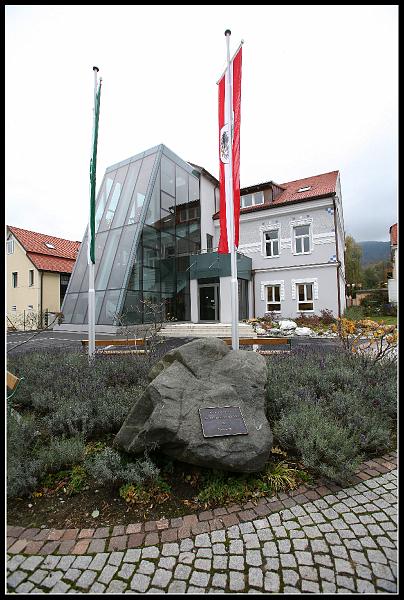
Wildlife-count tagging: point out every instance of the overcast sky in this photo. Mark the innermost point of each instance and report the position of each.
(319, 93)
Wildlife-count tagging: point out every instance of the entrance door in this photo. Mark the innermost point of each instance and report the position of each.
(209, 302)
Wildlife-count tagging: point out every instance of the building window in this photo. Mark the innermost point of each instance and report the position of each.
(305, 296)
(302, 239)
(14, 279)
(209, 242)
(10, 246)
(30, 306)
(14, 307)
(31, 277)
(252, 199)
(64, 282)
(271, 241)
(49, 245)
(273, 298)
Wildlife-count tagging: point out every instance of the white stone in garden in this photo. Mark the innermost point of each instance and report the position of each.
(260, 330)
(303, 331)
(287, 324)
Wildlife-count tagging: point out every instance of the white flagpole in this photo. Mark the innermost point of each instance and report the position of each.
(230, 201)
(91, 290)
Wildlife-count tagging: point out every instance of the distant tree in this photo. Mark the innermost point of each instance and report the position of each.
(353, 255)
(375, 275)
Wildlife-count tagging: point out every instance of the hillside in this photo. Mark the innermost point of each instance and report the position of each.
(374, 252)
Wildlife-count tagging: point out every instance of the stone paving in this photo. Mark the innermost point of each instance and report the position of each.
(342, 542)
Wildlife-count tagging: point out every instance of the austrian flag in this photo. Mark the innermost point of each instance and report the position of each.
(229, 154)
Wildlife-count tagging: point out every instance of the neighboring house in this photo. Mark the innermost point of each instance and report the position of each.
(38, 272)
(392, 282)
(157, 230)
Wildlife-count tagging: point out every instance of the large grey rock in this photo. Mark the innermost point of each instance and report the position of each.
(202, 373)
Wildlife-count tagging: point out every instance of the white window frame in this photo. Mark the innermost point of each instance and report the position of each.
(31, 278)
(10, 246)
(14, 279)
(302, 237)
(267, 302)
(270, 242)
(254, 201)
(305, 301)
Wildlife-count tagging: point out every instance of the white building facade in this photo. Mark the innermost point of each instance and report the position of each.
(157, 233)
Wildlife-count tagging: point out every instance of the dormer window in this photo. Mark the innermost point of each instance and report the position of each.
(49, 245)
(304, 189)
(252, 199)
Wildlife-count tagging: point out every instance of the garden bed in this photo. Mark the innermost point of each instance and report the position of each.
(328, 411)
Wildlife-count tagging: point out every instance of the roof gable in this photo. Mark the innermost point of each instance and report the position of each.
(35, 242)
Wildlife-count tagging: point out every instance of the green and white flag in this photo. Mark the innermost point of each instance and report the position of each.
(93, 168)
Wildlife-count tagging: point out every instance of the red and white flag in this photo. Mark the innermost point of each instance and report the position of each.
(230, 173)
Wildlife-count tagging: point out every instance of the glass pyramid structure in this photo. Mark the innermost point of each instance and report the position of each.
(147, 226)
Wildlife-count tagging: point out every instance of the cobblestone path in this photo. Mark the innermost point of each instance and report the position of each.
(344, 543)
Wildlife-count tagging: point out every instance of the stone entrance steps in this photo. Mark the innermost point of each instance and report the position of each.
(205, 330)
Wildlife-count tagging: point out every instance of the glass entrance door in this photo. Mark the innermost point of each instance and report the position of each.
(209, 302)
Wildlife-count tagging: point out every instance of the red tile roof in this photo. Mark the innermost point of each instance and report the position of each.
(320, 186)
(61, 258)
(393, 234)
(51, 263)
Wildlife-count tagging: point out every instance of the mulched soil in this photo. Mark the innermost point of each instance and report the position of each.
(60, 511)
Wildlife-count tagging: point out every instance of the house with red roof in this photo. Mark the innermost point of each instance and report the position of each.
(157, 232)
(294, 234)
(392, 282)
(39, 267)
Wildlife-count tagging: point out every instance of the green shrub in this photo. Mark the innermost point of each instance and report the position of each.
(355, 395)
(354, 313)
(23, 468)
(69, 375)
(61, 452)
(326, 447)
(108, 468)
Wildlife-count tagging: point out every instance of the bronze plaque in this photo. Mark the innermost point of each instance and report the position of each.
(223, 420)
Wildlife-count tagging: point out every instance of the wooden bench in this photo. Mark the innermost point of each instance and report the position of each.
(256, 342)
(12, 384)
(112, 346)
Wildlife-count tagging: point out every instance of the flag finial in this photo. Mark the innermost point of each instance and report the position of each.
(95, 69)
(227, 32)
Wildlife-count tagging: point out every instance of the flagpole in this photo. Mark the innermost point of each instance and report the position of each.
(91, 233)
(230, 199)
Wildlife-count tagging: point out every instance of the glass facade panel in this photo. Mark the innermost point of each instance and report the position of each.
(130, 182)
(181, 186)
(167, 175)
(140, 190)
(135, 278)
(153, 211)
(103, 198)
(132, 310)
(113, 199)
(68, 307)
(104, 270)
(80, 309)
(109, 307)
(167, 202)
(122, 258)
(151, 246)
(80, 267)
(193, 188)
